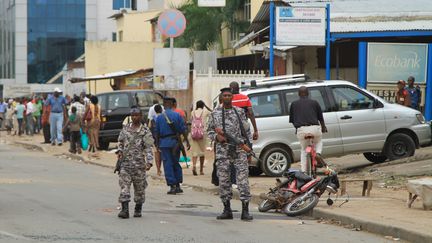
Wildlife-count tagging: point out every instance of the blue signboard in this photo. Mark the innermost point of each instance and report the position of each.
(390, 62)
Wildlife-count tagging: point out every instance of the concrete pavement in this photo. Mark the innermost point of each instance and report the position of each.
(48, 199)
(385, 212)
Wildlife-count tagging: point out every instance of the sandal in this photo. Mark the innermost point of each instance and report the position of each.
(194, 172)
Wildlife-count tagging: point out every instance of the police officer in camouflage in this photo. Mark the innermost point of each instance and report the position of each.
(135, 154)
(230, 120)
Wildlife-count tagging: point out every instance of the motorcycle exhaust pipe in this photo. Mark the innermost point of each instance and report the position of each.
(307, 194)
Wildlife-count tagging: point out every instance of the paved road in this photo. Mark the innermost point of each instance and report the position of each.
(46, 199)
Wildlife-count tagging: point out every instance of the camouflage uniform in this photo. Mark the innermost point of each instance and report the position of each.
(133, 167)
(237, 156)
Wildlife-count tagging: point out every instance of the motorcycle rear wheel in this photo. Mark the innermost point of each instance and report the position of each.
(266, 205)
(298, 207)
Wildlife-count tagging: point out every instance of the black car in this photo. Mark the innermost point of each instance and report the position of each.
(115, 107)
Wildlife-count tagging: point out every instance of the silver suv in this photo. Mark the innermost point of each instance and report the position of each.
(357, 121)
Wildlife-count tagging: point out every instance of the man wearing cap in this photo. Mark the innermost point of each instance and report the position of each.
(135, 152)
(402, 95)
(168, 125)
(414, 92)
(58, 110)
(230, 120)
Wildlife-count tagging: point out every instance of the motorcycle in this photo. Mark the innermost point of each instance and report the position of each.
(293, 188)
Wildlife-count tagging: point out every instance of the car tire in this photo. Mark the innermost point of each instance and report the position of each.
(375, 157)
(399, 146)
(275, 161)
(255, 171)
(103, 145)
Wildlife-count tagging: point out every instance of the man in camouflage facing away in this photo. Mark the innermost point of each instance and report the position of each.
(224, 121)
(135, 154)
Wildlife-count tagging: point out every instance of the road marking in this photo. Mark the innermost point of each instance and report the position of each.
(19, 237)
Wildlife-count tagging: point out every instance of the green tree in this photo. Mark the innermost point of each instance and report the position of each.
(204, 25)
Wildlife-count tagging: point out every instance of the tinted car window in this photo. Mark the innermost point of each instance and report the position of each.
(314, 94)
(267, 104)
(348, 98)
(102, 101)
(118, 100)
(145, 99)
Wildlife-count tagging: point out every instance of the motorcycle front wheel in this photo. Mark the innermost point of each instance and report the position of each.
(298, 206)
(266, 205)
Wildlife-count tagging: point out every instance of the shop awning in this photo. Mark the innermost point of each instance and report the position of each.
(114, 75)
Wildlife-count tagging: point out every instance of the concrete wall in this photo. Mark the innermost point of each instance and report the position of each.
(105, 57)
(136, 26)
(21, 42)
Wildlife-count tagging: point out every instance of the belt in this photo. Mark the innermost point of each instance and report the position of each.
(56, 112)
(168, 135)
(308, 125)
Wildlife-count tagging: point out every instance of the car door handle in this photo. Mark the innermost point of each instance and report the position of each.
(346, 117)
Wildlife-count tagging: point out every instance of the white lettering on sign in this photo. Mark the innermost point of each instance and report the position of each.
(398, 62)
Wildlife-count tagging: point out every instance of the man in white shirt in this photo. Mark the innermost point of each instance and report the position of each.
(152, 113)
(80, 107)
(29, 118)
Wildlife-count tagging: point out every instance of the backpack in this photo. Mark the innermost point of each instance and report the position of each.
(197, 130)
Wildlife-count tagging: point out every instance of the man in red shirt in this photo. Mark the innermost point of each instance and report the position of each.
(243, 101)
(178, 110)
(402, 95)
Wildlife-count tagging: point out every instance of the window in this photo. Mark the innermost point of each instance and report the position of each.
(247, 10)
(114, 36)
(314, 94)
(145, 99)
(348, 98)
(118, 101)
(267, 104)
(119, 4)
(120, 36)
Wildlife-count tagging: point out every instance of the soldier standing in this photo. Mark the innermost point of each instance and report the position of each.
(135, 154)
(224, 121)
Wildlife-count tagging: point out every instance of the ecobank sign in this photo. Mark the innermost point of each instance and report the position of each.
(390, 62)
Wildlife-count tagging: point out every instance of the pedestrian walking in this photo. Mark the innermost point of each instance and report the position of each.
(3, 107)
(92, 122)
(402, 95)
(199, 118)
(29, 117)
(135, 154)
(224, 121)
(9, 115)
(19, 110)
(414, 92)
(75, 124)
(57, 103)
(45, 119)
(157, 111)
(37, 113)
(307, 117)
(169, 126)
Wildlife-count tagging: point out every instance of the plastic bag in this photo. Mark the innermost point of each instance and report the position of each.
(84, 140)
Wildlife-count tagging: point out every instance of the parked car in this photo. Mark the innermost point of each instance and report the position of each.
(358, 121)
(115, 107)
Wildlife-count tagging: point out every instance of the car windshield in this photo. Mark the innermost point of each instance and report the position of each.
(145, 99)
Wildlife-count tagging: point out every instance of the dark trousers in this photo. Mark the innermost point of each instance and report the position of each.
(172, 169)
(75, 141)
(20, 126)
(46, 132)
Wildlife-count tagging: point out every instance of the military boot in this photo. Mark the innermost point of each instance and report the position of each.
(227, 212)
(172, 190)
(124, 213)
(245, 211)
(178, 188)
(138, 209)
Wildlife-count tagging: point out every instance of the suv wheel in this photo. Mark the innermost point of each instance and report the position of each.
(255, 171)
(103, 145)
(276, 161)
(399, 146)
(375, 157)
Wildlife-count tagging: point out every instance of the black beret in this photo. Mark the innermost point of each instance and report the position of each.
(166, 98)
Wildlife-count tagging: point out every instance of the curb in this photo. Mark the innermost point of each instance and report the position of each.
(373, 227)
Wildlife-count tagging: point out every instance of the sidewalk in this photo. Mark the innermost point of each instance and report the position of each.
(385, 212)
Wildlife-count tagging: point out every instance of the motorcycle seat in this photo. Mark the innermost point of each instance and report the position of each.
(302, 177)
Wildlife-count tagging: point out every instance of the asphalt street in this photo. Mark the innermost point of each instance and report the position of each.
(47, 199)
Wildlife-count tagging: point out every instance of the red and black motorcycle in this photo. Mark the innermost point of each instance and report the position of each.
(299, 193)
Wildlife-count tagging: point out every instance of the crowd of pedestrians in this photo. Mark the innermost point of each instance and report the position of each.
(59, 118)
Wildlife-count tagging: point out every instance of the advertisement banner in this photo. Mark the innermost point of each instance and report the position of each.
(300, 26)
(211, 3)
(171, 68)
(390, 62)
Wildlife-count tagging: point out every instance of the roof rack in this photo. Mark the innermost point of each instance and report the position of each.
(278, 80)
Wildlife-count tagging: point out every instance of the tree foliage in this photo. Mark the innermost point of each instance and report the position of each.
(204, 24)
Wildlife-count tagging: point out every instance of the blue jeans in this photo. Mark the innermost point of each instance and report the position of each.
(56, 125)
(172, 169)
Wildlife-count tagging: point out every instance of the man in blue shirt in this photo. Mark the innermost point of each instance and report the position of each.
(3, 106)
(415, 93)
(167, 142)
(58, 109)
